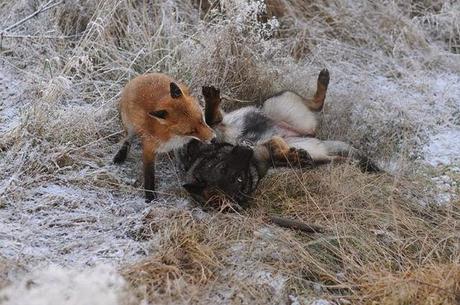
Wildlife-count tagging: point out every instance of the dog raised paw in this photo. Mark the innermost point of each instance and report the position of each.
(210, 92)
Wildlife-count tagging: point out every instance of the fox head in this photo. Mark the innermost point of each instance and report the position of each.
(180, 114)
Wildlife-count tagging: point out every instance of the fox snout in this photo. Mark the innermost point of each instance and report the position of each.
(211, 140)
(206, 134)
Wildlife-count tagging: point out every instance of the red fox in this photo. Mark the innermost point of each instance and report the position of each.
(164, 115)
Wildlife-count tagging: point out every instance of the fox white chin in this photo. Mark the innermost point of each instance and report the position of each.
(173, 143)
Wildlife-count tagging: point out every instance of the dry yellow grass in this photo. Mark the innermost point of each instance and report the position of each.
(437, 284)
(377, 227)
(380, 246)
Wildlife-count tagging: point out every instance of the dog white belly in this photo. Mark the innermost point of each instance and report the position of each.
(290, 108)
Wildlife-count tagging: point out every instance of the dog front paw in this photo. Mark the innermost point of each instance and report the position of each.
(210, 92)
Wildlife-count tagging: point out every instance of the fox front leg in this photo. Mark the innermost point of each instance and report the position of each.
(148, 158)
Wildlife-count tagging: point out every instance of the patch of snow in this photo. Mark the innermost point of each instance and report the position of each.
(10, 90)
(276, 282)
(445, 186)
(320, 302)
(100, 285)
(444, 148)
(294, 300)
(427, 101)
(71, 226)
(430, 100)
(70, 221)
(265, 233)
(245, 264)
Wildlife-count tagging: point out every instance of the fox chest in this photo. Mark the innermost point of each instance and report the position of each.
(173, 143)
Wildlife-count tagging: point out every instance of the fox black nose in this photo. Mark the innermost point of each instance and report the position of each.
(214, 140)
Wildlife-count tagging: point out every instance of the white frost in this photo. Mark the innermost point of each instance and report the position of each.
(101, 285)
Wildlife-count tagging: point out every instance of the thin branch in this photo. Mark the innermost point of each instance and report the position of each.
(94, 142)
(296, 225)
(43, 8)
(20, 36)
(227, 97)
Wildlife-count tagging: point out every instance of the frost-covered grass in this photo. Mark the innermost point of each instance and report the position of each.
(66, 212)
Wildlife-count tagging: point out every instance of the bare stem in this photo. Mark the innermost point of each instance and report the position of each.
(42, 9)
(296, 225)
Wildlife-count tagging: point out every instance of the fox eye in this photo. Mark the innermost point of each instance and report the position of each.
(161, 114)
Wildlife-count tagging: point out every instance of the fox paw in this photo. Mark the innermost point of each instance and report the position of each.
(150, 196)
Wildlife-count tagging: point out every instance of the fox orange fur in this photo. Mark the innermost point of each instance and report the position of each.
(164, 115)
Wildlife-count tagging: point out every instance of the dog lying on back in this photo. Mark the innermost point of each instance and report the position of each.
(280, 133)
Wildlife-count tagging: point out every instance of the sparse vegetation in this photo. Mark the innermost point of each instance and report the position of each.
(394, 83)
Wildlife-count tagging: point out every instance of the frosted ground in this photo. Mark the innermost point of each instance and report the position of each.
(71, 223)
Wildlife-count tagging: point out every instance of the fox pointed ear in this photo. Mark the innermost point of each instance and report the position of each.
(195, 187)
(175, 90)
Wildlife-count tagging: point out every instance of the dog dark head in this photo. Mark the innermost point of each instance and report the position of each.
(221, 172)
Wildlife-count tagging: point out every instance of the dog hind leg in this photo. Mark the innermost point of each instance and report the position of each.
(344, 150)
(281, 155)
(317, 102)
(329, 151)
(296, 112)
